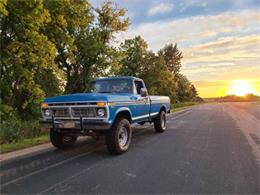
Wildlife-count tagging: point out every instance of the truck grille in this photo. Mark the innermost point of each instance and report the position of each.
(75, 112)
(61, 112)
(84, 112)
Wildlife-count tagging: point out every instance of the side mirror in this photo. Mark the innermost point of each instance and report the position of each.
(144, 92)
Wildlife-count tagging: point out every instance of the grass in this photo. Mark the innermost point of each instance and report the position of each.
(182, 106)
(25, 143)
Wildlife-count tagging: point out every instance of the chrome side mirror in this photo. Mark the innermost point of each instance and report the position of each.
(144, 92)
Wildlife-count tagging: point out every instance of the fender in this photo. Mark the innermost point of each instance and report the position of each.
(121, 110)
(164, 107)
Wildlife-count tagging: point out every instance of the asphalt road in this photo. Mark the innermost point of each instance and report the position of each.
(211, 148)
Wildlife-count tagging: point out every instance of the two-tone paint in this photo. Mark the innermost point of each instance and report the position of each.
(139, 109)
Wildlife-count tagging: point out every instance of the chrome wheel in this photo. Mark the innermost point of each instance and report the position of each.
(122, 136)
(118, 138)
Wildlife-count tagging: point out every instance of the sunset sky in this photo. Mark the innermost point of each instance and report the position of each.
(219, 39)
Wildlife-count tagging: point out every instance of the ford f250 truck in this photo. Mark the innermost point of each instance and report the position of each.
(110, 108)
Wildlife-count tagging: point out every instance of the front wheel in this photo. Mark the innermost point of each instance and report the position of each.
(160, 122)
(119, 137)
(61, 141)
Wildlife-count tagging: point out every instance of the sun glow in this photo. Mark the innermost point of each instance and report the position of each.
(241, 88)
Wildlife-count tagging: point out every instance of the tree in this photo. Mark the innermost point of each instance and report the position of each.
(25, 53)
(157, 77)
(98, 54)
(69, 20)
(133, 52)
(82, 36)
(172, 57)
(193, 91)
(49, 47)
(183, 92)
(137, 61)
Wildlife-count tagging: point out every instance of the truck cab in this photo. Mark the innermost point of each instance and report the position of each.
(110, 107)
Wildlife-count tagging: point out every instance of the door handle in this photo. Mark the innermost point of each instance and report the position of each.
(134, 98)
(138, 99)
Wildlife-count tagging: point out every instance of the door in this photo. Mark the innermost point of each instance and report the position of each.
(141, 104)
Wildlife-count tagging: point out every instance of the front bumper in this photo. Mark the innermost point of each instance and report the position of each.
(80, 125)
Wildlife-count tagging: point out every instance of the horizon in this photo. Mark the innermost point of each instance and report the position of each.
(219, 39)
(233, 95)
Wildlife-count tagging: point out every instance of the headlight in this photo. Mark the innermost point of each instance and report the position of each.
(101, 112)
(44, 105)
(47, 112)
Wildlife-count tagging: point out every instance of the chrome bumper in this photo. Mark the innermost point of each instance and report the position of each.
(80, 125)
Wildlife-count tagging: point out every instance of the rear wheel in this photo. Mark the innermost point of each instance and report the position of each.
(119, 137)
(160, 122)
(61, 141)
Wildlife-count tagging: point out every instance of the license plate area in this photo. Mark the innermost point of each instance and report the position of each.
(67, 125)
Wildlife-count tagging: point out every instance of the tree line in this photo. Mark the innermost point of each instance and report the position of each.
(53, 47)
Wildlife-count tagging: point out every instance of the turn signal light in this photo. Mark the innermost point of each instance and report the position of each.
(101, 103)
(44, 105)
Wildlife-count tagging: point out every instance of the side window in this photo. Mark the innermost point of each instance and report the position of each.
(138, 86)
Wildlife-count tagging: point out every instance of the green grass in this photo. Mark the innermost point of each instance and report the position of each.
(182, 106)
(9, 147)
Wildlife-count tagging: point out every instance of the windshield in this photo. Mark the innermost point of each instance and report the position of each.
(112, 86)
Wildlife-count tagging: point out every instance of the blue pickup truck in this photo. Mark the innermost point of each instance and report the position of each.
(109, 109)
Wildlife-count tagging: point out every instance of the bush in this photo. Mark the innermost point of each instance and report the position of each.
(13, 130)
(10, 130)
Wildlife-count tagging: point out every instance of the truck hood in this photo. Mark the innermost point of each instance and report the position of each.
(94, 97)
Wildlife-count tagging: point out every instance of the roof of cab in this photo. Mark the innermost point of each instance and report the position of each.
(119, 77)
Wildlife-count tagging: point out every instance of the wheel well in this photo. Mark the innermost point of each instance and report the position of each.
(163, 108)
(124, 114)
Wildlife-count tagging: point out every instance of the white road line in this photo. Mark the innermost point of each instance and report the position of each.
(67, 179)
(180, 115)
(49, 167)
(75, 157)
(248, 125)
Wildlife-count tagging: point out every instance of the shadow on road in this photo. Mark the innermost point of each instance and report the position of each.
(19, 167)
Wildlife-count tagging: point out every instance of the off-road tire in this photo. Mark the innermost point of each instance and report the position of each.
(160, 122)
(61, 141)
(113, 138)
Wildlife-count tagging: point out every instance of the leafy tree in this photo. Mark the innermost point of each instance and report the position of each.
(25, 52)
(157, 77)
(137, 61)
(82, 36)
(172, 56)
(186, 91)
(50, 46)
(98, 54)
(184, 88)
(3, 10)
(193, 91)
(69, 19)
(133, 52)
